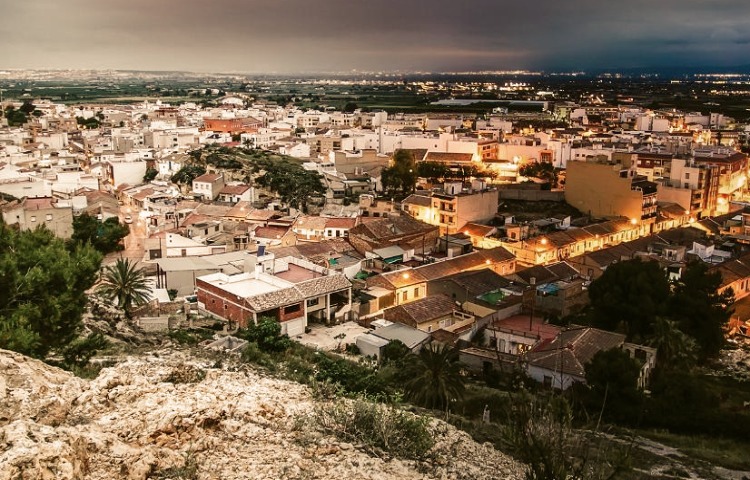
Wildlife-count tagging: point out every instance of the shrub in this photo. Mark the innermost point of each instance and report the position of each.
(380, 428)
(267, 335)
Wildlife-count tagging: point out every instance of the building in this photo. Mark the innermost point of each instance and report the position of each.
(232, 126)
(732, 171)
(32, 213)
(385, 232)
(237, 193)
(428, 314)
(694, 187)
(604, 189)
(452, 209)
(562, 362)
(208, 185)
(290, 290)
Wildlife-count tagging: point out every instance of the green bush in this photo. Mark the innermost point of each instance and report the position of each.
(267, 335)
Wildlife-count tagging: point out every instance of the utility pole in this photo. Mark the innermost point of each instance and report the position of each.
(532, 282)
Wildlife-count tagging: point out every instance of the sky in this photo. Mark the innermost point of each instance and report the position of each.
(297, 36)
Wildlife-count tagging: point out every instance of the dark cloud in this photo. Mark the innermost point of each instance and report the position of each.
(322, 35)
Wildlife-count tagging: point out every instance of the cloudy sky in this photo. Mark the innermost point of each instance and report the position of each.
(288, 36)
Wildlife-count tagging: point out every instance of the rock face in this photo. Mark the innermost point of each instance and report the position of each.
(174, 416)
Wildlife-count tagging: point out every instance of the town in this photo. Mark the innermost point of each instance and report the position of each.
(527, 224)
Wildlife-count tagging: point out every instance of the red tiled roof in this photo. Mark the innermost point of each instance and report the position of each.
(341, 222)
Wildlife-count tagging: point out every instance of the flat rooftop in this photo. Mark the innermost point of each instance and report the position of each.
(245, 284)
(297, 274)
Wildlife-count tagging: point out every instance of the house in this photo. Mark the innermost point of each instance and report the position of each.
(272, 235)
(176, 245)
(290, 290)
(237, 193)
(557, 288)
(562, 362)
(407, 285)
(208, 185)
(180, 273)
(31, 213)
(309, 228)
(428, 314)
(401, 230)
(232, 126)
(735, 274)
(338, 227)
(519, 334)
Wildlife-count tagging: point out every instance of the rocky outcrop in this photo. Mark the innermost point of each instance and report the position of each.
(169, 415)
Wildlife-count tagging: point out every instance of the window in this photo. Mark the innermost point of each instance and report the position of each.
(49, 217)
(687, 176)
(416, 292)
(292, 308)
(313, 301)
(405, 296)
(33, 218)
(547, 381)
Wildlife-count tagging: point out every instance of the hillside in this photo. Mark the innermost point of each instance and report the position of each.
(171, 415)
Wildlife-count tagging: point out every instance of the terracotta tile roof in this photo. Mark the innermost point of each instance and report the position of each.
(419, 311)
(257, 214)
(397, 279)
(446, 157)
(420, 200)
(299, 292)
(417, 153)
(478, 282)
(270, 232)
(208, 178)
(234, 189)
(240, 210)
(386, 228)
(144, 194)
(477, 230)
(470, 261)
(310, 222)
(341, 222)
(572, 349)
(733, 270)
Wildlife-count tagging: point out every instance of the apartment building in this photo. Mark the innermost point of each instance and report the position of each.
(453, 208)
(606, 189)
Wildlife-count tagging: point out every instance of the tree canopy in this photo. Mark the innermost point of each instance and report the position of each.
(612, 378)
(543, 170)
(635, 297)
(188, 173)
(289, 180)
(628, 297)
(434, 377)
(44, 290)
(699, 310)
(104, 236)
(401, 177)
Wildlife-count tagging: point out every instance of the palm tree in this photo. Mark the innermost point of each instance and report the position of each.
(434, 377)
(674, 348)
(125, 283)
